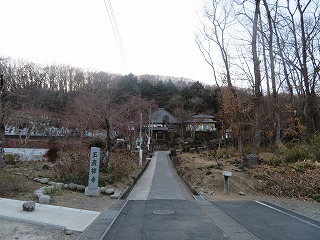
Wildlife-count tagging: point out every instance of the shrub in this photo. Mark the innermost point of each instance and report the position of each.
(12, 158)
(97, 142)
(9, 182)
(122, 163)
(52, 154)
(315, 146)
(72, 166)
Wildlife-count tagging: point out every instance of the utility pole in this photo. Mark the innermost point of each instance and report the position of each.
(140, 142)
(2, 128)
(149, 130)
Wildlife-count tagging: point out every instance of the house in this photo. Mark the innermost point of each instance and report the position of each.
(162, 122)
(202, 123)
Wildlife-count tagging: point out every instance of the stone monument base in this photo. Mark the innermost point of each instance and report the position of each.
(92, 192)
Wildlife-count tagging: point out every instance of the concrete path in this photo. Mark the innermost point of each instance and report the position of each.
(160, 181)
(48, 215)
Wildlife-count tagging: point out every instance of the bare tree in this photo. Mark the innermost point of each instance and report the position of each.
(216, 33)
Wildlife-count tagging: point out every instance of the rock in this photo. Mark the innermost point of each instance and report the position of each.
(250, 161)
(66, 186)
(51, 183)
(45, 199)
(116, 195)
(73, 186)
(45, 167)
(80, 187)
(68, 232)
(36, 179)
(109, 191)
(39, 192)
(50, 189)
(103, 189)
(241, 193)
(44, 180)
(58, 186)
(28, 206)
(211, 192)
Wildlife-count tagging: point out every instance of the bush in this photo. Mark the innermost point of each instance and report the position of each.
(12, 158)
(122, 163)
(315, 146)
(287, 155)
(97, 142)
(72, 166)
(52, 154)
(9, 181)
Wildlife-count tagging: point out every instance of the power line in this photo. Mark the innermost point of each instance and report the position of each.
(116, 33)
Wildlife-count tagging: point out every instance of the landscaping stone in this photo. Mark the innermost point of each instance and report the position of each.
(66, 186)
(241, 193)
(103, 189)
(73, 186)
(116, 195)
(49, 189)
(39, 192)
(109, 191)
(80, 187)
(45, 199)
(58, 186)
(69, 232)
(36, 179)
(44, 180)
(52, 183)
(28, 206)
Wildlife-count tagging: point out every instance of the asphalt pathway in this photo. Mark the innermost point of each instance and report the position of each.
(160, 207)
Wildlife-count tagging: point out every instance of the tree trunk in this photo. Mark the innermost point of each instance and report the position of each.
(257, 82)
(273, 77)
(105, 160)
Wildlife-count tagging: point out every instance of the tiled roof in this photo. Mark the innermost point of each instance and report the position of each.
(158, 115)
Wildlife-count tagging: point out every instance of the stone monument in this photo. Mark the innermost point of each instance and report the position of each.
(93, 189)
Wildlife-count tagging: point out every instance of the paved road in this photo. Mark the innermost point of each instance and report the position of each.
(161, 207)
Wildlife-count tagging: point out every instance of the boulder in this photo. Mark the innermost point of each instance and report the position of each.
(49, 190)
(58, 186)
(117, 194)
(45, 199)
(39, 192)
(241, 193)
(28, 206)
(80, 187)
(68, 232)
(103, 189)
(73, 186)
(44, 180)
(250, 160)
(36, 179)
(51, 183)
(109, 191)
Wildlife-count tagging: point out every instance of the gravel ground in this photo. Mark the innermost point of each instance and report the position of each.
(27, 231)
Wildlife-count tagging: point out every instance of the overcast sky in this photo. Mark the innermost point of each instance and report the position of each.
(157, 35)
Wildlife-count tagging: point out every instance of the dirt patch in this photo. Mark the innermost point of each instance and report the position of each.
(205, 175)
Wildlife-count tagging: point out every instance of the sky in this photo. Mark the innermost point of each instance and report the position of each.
(157, 36)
